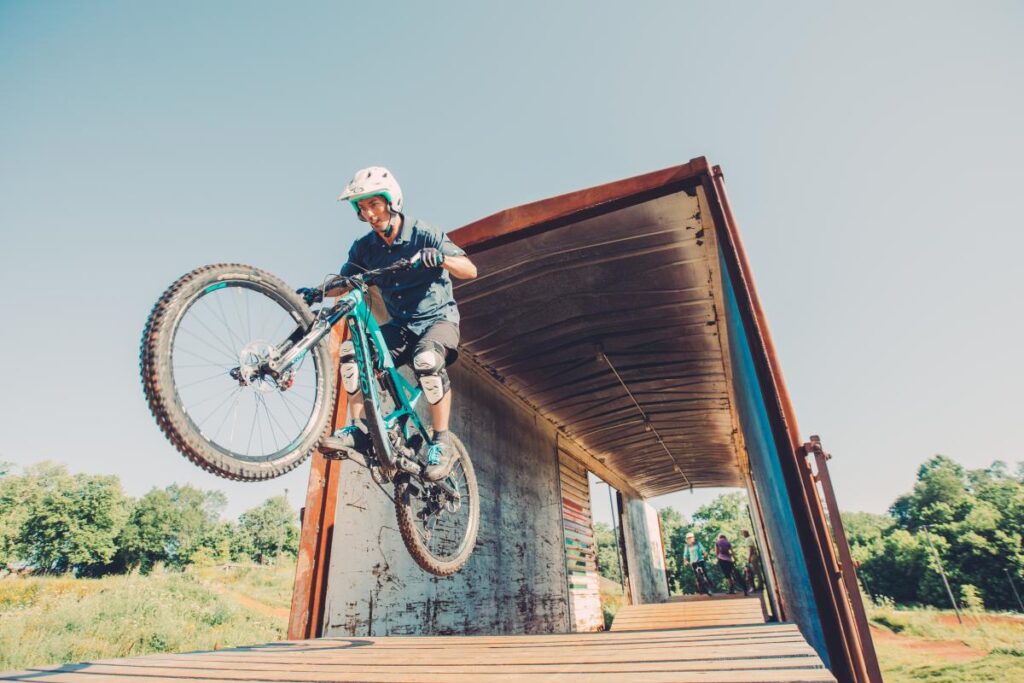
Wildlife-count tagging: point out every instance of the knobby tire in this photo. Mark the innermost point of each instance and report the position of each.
(155, 363)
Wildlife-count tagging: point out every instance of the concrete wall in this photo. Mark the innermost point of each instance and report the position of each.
(645, 554)
(515, 582)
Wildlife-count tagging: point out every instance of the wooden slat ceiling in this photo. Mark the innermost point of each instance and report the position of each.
(637, 284)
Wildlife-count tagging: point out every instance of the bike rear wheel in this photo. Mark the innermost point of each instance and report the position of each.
(440, 534)
(201, 349)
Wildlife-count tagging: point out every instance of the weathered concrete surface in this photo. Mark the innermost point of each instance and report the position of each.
(645, 554)
(515, 582)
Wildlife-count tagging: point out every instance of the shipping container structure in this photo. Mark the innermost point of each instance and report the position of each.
(615, 330)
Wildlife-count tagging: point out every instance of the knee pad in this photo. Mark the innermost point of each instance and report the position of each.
(349, 371)
(428, 364)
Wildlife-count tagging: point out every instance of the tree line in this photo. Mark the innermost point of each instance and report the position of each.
(968, 522)
(52, 521)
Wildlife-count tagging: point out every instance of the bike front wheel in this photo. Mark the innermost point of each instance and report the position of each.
(202, 349)
(440, 531)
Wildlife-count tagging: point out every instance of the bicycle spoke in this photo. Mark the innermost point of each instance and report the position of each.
(291, 412)
(227, 414)
(219, 375)
(214, 412)
(226, 345)
(224, 320)
(196, 355)
(206, 343)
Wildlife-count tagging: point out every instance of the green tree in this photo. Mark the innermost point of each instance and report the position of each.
(975, 520)
(170, 525)
(16, 492)
(69, 522)
(269, 530)
(607, 552)
(674, 526)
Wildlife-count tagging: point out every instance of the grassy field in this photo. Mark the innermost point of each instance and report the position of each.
(930, 645)
(56, 620)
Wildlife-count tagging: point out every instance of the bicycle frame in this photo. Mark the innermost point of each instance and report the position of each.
(365, 335)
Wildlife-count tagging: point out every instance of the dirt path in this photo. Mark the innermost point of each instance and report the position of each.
(947, 650)
(249, 603)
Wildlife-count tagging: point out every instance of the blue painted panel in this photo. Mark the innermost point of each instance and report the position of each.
(790, 563)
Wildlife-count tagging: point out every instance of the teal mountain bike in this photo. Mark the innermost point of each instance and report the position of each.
(238, 374)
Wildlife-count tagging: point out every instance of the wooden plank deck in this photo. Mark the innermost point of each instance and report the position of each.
(764, 652)
(690, 612)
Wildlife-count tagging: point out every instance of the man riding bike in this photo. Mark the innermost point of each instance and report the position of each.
(694, 557)
(424, 326)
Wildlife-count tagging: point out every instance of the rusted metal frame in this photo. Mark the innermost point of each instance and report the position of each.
(784, 427)
(848, 568)
(538, 216)
(842, 598)
(305, 620)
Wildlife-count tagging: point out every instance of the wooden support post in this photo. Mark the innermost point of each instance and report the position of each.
(310, 588)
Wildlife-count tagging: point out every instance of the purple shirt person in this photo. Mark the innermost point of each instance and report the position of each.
(723, 549)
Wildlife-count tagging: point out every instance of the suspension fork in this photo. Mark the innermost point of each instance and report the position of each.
(302, 342)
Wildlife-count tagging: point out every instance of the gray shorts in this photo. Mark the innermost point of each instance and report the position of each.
(404, 344)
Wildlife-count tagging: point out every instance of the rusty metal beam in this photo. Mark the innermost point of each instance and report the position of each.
(847, 567)
(574, 206)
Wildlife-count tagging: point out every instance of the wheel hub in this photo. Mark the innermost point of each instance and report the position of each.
(251, 360)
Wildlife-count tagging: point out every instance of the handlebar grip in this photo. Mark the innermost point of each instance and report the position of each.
(336, 281)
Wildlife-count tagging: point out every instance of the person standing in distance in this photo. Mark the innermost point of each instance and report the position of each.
(424, 327)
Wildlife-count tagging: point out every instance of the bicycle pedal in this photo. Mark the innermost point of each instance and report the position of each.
(331, 446)
(333, 449)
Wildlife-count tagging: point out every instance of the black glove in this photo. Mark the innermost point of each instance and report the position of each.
(431, 258)
(310, 295)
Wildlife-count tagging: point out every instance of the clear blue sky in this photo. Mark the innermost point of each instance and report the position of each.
(873, 153)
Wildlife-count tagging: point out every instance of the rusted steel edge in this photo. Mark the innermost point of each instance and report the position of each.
(520, 221)
(846, 561)
(309, 591)
(846, 654)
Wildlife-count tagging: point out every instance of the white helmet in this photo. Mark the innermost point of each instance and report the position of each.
(370, 182)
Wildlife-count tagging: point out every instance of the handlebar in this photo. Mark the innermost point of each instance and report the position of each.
(366, 277)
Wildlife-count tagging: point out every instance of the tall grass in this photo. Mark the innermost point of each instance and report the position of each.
(57, 620)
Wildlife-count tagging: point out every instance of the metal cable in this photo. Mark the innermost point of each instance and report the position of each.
(648, 425)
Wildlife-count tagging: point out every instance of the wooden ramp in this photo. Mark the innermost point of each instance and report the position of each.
(690, 612)
(766, 652)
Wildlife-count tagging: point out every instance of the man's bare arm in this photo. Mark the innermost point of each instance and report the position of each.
(460, 267)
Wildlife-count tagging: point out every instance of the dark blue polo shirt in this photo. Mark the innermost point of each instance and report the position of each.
(415, 299)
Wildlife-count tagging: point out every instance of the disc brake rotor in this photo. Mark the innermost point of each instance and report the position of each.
(250, 359)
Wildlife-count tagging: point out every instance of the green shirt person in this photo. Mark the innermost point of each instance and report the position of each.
(694, 551)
